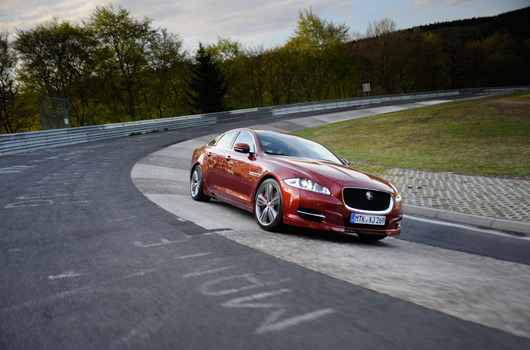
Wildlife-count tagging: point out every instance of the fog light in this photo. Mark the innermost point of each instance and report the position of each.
(398, 224)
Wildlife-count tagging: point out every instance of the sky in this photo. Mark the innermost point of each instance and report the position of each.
(253, 23)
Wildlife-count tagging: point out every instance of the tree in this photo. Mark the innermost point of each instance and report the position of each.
(165, 79)
(382, 52)
(256, 76)
(14, 114)
(272, 68)
(500, 58)
(206, 87)
(289, 56)
(230, 55)
(322, 45)
(56, 59)
(428, 63)
(8, 87)
(54, 55)
(125, 43)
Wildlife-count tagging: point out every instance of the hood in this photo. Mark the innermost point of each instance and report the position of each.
(327, 173)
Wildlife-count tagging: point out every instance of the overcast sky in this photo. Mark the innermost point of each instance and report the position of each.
(251, 22)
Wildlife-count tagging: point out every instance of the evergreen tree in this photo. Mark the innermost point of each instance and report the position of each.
(207, 87)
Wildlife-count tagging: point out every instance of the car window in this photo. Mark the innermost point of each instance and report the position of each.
(226, 140)
(246, 137)
(214, 141)
(287, 145)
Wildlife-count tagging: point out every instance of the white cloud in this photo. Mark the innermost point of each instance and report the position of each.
(452, 2)
(246, 21)
(199, 20)
(422, 3)
(251, 22)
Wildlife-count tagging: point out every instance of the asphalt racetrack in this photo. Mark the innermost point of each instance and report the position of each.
(101, 247)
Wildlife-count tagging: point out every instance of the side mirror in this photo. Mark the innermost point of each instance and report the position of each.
(242, 148)
(345, 161)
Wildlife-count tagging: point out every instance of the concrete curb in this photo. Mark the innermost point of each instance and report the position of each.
(518, 227)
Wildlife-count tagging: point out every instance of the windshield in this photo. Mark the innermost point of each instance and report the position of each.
(293, 146)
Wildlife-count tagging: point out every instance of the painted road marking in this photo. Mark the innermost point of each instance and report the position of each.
(15, 169)
(163, 241)
(222, 286)
(463, 226)
(67, 274)
(193, 256)
(37, 203)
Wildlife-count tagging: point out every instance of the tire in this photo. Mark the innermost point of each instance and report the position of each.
(268, 205)
(197, 186)
(370, 237)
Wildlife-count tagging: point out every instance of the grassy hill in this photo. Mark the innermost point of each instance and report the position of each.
(489, 136)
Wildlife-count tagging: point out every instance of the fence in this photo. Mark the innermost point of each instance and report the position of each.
(30, 141)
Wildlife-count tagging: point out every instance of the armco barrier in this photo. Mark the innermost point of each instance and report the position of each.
(29, 141)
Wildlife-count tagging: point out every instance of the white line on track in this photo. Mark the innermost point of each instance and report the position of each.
(466, 227)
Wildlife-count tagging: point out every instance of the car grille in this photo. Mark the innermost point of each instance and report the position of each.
(356, 198)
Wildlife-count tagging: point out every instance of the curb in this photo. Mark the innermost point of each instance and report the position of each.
(518, 227)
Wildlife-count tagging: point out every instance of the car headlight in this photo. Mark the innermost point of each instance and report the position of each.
(308, 185)
(398, 198)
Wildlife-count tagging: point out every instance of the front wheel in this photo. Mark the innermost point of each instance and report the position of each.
(268, 205)
(196, 185)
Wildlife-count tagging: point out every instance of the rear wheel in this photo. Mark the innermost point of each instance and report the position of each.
(268, 205)
(196, 185)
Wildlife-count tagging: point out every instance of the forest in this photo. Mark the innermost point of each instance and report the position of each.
(117, 68)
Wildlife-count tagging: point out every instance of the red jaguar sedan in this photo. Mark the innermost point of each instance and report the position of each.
(285, 179)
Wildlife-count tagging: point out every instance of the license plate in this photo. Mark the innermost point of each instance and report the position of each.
(367, 219)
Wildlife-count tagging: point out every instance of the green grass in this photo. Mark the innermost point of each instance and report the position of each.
(489, 136)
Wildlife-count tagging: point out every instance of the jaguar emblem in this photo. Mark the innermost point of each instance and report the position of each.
(369, 195)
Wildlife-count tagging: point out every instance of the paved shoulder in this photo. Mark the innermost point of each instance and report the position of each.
(470, 287)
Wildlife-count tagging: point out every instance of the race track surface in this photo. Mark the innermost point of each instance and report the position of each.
(88, 261)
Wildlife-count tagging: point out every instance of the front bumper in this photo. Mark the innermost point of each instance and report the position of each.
(322, 212)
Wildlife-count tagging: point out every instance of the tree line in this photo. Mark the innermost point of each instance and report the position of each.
(117, 68)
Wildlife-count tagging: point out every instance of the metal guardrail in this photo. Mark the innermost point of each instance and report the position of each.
(30, 141)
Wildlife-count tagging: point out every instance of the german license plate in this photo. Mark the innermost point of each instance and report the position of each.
(367, 219)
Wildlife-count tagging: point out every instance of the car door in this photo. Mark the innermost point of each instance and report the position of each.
(242, 172)
(216, 162)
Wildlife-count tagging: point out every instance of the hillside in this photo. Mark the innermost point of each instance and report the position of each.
(486, 136)
(514, 23)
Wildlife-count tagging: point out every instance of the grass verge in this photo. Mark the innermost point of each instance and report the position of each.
(489, 136)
